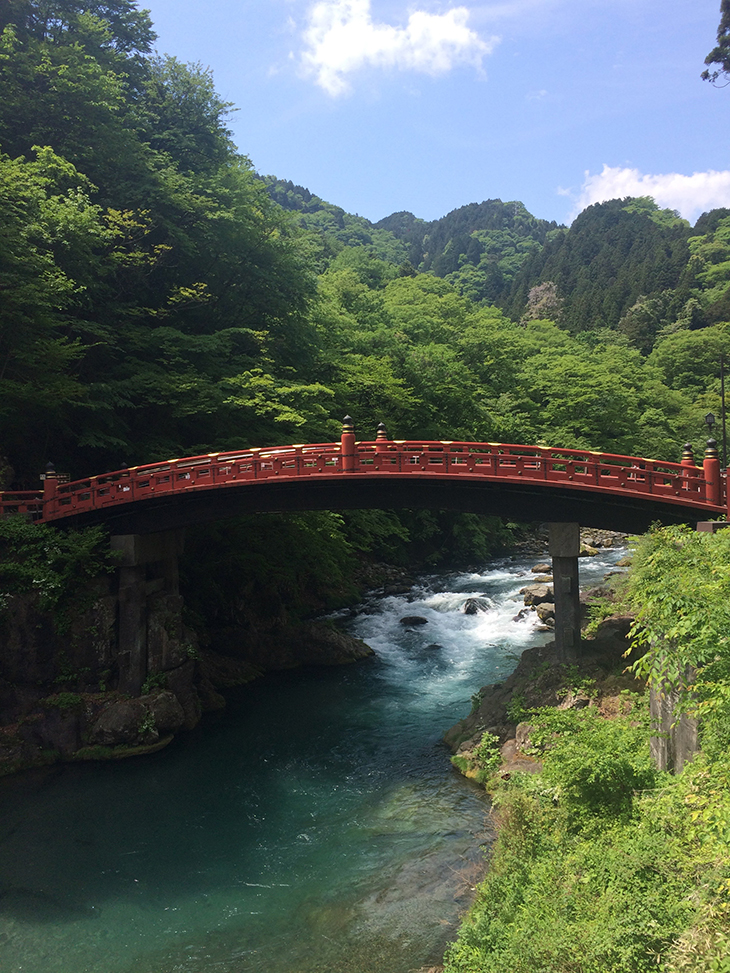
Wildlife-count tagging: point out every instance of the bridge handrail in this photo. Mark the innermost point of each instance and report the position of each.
(604, 472)
(28, 503)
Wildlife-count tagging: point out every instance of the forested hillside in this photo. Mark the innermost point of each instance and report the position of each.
(625, 265)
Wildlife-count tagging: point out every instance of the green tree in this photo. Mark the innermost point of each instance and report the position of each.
(183, 117)
(720, 55)
(49, 249)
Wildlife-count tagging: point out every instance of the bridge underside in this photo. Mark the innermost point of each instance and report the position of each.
(522, 501)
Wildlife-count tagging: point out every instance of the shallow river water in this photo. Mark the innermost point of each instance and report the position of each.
(315, 827)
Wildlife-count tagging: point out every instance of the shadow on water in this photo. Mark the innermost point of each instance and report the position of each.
(31, 905)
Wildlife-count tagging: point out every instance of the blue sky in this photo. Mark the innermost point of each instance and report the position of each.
(383, 105)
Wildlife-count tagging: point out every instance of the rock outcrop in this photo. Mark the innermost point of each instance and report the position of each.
(59, 689)
(540, 674)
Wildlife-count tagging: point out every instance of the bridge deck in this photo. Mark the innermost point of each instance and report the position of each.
(541, 482)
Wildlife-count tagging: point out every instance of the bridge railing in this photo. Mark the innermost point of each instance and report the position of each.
(605, 471)
(208, 471)
(580, 469)
(28, 503)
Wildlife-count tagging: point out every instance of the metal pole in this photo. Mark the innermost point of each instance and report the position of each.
(722, 395)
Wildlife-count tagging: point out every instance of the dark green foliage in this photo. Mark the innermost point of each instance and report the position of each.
(720, 55)
(50, 563)
(613, 254)
(128, 30)
(155, 299)
(278, 566)
(479, 248)
(678, 587)
(596, 765)
(183, 117)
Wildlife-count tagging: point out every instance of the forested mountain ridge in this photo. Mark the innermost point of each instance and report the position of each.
(479, 247)
(625, 265)
(334, 227)
(613, 254)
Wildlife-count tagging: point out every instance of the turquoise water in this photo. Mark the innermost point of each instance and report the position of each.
(314, 827)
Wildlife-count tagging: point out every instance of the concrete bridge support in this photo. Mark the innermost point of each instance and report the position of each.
(564, 548)
(675, 742)
(148, 567)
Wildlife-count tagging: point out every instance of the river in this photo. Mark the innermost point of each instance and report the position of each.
(316, 826)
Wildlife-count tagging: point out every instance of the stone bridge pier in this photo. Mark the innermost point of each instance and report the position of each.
(564, 548)
(148, 577)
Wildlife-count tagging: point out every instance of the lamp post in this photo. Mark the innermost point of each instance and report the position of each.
(722, 396)
(710, 422)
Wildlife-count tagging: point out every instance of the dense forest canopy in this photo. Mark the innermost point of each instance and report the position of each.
(161, 298)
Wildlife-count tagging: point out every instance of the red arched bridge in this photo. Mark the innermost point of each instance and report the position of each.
(521, 482)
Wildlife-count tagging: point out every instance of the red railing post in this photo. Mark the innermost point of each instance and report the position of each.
(711, 467)
(381, 438)
(688, 462)
(348, 445)
(688, 455)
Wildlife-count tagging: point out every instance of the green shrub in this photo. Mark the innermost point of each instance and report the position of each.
(517, 711)
(65, 701)
(54, 564)
(487, 752)
(591, 867)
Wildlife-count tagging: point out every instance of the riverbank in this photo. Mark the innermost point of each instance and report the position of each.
(59, 720)
(63, 688)
(541, 678)
(602, 861)
(59, 693)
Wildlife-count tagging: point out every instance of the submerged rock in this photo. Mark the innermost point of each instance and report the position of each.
(412, 620)
(397, 589)
(475, 606)
(320, 644)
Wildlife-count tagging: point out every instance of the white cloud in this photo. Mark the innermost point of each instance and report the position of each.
(341, 37)
(690, 195)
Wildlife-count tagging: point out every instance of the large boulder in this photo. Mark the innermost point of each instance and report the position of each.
(138, 721)
(119, 723)
(166, 712)
(320, 644)
(536, 594)
(545, 611)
